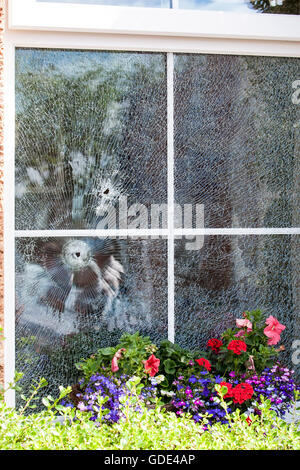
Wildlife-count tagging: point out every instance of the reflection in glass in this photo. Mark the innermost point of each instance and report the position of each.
(286, 7)
(289, 7)
(231, 274)
(90, 129)
(237, 6)
(123, 3)
(237, 139)
(75, 295)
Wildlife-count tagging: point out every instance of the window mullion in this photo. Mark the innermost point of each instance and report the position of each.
(170, 131)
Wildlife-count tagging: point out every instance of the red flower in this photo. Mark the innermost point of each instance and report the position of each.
(242, 392)
(237, 346)
(229, 389)
(249, 420)
(204, 363)
(214, 344)
(152, 365)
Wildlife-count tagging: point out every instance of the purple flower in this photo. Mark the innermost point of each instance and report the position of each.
(277, 385)
(81, 406)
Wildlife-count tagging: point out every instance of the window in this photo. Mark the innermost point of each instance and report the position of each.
(129, 3)
(156, 178)
(289, 7)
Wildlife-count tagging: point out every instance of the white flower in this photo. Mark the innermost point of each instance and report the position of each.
(168, 394)
(159, 378)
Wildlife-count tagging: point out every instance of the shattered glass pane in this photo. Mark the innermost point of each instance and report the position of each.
(75, 295)
(237, 139)
(90, 131)
(231, 274)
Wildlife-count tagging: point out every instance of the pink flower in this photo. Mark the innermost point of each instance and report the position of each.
(240, 334)
(273, 330)
(250, 364)
(114, 362)
(243, 323)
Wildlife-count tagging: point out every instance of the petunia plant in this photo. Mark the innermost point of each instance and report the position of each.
(127, 357)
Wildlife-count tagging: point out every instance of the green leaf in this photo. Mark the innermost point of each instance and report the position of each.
(46, 402)
(170, 366)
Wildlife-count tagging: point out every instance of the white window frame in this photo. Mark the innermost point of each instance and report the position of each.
(74, 26)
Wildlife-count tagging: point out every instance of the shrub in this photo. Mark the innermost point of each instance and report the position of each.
(152, 429)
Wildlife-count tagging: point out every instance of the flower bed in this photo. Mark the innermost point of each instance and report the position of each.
(237, 371)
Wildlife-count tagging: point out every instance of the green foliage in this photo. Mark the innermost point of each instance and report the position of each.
(35, 388)
(12, 385)
(153, 429)
(136, 350)
(174, 361)
(257, 348)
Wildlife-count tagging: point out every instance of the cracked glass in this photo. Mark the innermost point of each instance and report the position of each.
(231, 274)
(90, 129)
(91, 153)
(237, 139)
(75, 295)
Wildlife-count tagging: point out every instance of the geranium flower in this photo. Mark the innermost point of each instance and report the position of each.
(204, 363)
(273, 330)
(229, 389)
(152, 365)
(242, 392)
(237, 346)
(215, 344)
(114, 362)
